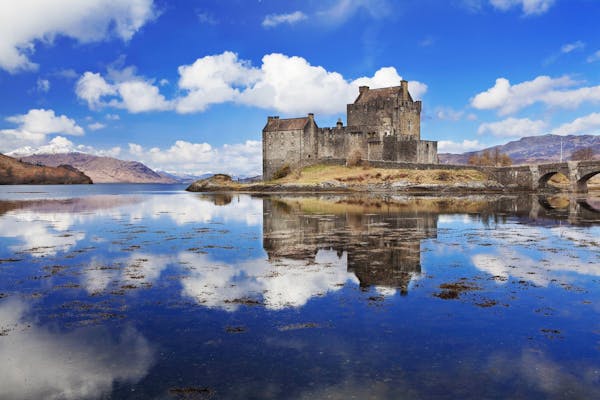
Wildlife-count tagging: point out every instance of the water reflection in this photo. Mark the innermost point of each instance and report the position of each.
(382, 240)
(41, 362)
(294, 296)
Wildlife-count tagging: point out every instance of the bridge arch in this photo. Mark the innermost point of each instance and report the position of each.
(545, 178)
(581, 184)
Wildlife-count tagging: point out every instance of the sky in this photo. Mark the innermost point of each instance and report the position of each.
(186, 85)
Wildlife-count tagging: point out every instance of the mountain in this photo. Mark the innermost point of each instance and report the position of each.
(15, 172)
(182, 177)
(101, 169)
(534, 149)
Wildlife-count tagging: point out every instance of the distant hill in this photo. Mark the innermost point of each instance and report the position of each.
(182, 177)
(533, 149)
(101, 169)
(15, 172)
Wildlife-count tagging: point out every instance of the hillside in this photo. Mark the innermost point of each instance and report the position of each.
(101, 169)
(14, 172)
(534, 149)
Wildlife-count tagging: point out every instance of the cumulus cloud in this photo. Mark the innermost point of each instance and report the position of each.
(272, 20)
(200, 158)
(552, 92)
(26, 22)
(135, 94)
(449, 146)
(529, 7)
(281, 83)
(589, 124)
(513, 127)
(34, 127)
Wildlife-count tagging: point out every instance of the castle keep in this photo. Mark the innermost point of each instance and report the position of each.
(382, 125)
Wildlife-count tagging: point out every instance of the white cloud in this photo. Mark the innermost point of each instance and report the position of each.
(514, 127)
(96, 126)
(339, 11)
(449, 146)
(590, 124)
(448, 114)
(508, 99)
(134, 94)
(34, 127)
(66, 73)
(529, 7)
(91, 87)
(281, 83)
(594, 57)
(200, 158)
(273, 20)
(24, 22)
(140, 96)
(112, 117)
(570, 47)
(43, 85)
(45, 122)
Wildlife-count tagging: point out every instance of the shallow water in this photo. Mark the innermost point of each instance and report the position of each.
(146, 291)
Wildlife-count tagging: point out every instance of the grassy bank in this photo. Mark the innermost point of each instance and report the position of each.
(316, 174)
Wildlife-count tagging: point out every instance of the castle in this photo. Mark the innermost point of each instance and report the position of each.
(382, 125)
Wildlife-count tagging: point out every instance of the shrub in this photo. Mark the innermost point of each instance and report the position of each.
(444, 176)
(282, 171)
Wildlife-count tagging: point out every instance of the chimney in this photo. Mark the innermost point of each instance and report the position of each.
(339, 123)
(311, 116)
(362, 89)
(404, 85)
(276, 117)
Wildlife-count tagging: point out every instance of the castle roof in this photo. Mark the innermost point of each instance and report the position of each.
(388, 93)
(285, 124)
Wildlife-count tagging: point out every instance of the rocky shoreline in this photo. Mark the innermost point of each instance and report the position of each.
(223, 183)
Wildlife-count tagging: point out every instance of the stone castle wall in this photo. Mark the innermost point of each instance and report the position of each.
(383, 125)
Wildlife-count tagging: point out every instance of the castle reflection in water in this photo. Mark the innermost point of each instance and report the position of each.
(382, 239)
(382, 242)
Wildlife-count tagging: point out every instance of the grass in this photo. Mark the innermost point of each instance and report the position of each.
(367, 175)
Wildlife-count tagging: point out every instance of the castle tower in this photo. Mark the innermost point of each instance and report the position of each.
(387, 111)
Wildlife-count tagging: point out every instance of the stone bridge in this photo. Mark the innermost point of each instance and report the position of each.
(535, 177)
(528, 178)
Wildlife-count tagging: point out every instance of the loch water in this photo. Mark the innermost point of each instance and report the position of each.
(151, 292)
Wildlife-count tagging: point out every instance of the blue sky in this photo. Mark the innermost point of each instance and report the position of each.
(186, 86)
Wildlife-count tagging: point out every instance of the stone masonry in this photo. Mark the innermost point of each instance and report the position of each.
(382, 125)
